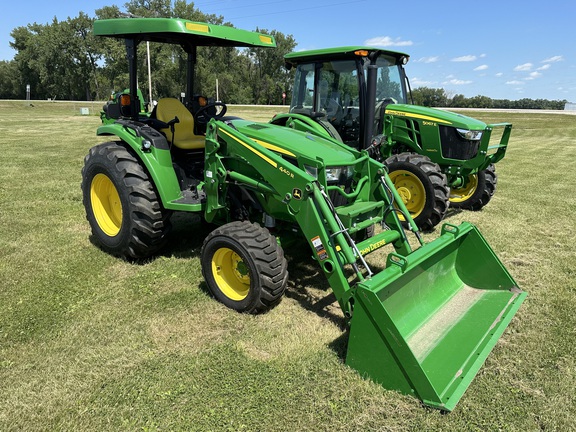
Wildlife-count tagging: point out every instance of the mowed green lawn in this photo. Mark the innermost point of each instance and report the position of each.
(90, 342)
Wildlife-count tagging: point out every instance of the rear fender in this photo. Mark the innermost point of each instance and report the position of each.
(156, 159)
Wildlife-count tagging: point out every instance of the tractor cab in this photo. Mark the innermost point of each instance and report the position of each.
(360, 96)
(330, 87)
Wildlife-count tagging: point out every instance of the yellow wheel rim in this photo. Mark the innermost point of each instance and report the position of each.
(458, 195)
(106, 205)
(231, 274)
(411, 190)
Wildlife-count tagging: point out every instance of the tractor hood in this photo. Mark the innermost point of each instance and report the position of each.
(434, 115)
(290, 143)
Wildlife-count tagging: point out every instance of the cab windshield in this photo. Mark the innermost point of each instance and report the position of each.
(333, 92)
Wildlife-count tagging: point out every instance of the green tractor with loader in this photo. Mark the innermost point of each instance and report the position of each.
(423, 325)
(359, 96)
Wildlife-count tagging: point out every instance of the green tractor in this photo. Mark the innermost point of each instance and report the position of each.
(424, 325)
(359, 96)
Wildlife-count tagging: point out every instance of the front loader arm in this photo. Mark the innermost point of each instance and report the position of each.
(289, 193)
(229, 152)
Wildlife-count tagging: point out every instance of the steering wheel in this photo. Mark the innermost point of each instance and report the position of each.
(203, 116)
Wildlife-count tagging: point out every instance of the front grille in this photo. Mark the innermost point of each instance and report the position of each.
(456, 147)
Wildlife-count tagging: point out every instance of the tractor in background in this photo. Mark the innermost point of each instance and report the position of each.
(359, 96)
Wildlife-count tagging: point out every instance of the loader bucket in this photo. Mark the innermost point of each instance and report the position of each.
(425, 325)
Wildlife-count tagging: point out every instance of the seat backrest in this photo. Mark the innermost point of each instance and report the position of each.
(184, 136)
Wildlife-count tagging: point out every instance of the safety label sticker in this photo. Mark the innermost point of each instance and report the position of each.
(320, 250)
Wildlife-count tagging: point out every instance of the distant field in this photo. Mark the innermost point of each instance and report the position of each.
(89, 342)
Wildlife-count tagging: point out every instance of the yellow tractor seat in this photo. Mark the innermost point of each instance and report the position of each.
(184, 137)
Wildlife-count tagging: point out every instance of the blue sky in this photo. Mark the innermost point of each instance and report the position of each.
(502, 49)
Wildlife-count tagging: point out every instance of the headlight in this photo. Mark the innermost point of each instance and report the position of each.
(339, 174)
(313, 171)
(470, 135)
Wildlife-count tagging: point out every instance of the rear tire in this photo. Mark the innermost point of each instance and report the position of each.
(122, 206)
(422, 187)
(478, 192)
(244, 267)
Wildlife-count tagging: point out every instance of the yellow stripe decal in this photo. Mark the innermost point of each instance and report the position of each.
(274, 148)
(253, 150)
(418, 116)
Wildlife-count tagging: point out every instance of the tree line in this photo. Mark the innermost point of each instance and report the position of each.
(433, 97)
(63, 60)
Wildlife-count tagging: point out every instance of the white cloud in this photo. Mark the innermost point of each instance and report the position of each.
(533, 75)
(553, 59)
(420, 82)
(545, 67)
(524, 67)
(387, 41)
(431, 59)
(499, 74)
(514, 82)
(455, 81)
(466, 58)
(481, 68)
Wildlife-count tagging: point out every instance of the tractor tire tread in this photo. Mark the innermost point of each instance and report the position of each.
(487, 181)
(268, 258)
(149, 221)
(439, 184)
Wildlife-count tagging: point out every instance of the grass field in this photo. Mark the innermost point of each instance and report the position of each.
(89, 342)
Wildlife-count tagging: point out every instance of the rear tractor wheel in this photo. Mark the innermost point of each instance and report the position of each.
(477, 192)
(422, 187)
(244, 267)
(122, 206)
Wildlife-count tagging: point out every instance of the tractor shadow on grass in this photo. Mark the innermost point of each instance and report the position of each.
(184, 240)
(450, 213)
(187, 235)
(309, 287)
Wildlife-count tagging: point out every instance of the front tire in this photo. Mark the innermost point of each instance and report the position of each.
(122, 206)
(478, 191)
(422, 187)
(244, 267)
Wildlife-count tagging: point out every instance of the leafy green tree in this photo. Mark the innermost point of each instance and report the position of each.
(266, 72)
(26, 52)
(9, 80)
(429, 97)
(458, 100)
(58, 60)
(480, 102)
